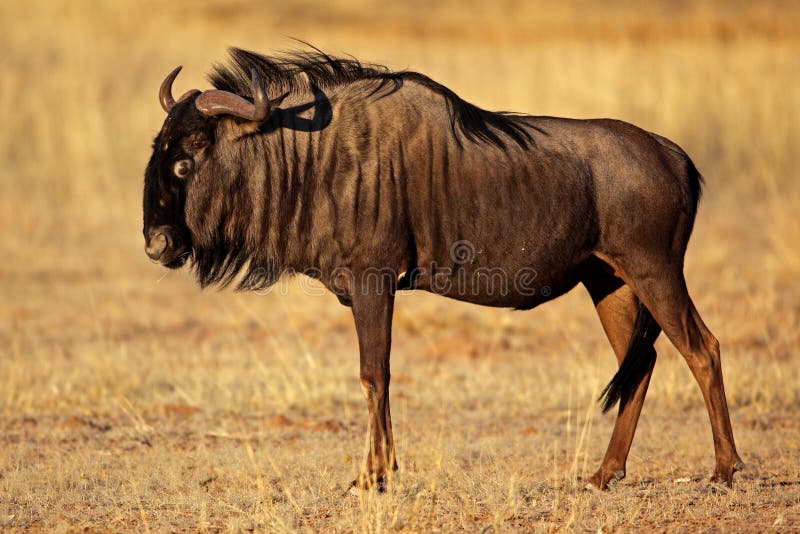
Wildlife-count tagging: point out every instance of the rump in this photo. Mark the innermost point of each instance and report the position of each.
(646, 191)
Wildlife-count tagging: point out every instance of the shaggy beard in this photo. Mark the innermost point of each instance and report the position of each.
(222, 265)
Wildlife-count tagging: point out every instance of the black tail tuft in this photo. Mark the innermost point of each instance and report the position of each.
(639, 359)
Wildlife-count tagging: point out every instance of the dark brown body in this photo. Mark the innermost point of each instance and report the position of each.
(375, 182)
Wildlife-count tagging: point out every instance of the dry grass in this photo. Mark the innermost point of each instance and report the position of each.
(129, 400)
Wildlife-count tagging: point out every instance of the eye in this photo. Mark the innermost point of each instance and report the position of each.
(182, 168)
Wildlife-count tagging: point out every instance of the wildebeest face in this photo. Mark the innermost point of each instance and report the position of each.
(178, 153)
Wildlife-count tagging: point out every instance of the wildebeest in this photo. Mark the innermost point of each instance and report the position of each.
(374, 181)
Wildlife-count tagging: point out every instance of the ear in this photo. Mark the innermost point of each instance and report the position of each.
(249, 127)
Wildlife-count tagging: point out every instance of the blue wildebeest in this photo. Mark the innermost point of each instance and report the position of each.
(340, 171)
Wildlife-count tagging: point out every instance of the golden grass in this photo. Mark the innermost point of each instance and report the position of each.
(130, 400)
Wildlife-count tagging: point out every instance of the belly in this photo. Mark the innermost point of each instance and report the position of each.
(497, 274)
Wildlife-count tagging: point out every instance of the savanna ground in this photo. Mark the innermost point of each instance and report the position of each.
(132, 401)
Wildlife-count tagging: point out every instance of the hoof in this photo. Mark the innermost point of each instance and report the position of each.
(724, 476)
(365, 482)
(601, 479)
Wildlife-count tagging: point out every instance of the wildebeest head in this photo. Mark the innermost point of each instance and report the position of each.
(180, 151)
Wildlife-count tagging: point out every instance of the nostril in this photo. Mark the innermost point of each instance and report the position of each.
(156, 246)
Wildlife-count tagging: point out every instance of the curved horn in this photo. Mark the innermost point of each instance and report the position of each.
(216, 102)
(165, 93)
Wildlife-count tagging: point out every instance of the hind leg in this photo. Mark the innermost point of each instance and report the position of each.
(617, 307)
(662, 289)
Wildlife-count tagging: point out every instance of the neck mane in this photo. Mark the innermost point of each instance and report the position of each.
(303, 70)
(258, 225)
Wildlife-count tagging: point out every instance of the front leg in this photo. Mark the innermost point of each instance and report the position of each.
(372, 311)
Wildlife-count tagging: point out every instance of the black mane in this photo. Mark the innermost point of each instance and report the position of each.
(287, 72)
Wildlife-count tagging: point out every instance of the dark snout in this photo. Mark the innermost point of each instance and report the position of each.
(161, 246)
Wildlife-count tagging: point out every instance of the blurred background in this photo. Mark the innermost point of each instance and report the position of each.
(97, 342)
(79, 107)
(78, 97)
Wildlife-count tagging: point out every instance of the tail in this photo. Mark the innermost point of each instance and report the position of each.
(695, 180)
(639, 360)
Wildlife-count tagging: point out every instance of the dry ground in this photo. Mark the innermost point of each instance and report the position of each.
(132, 401)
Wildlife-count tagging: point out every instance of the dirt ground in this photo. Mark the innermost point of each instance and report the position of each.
(130, 400)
